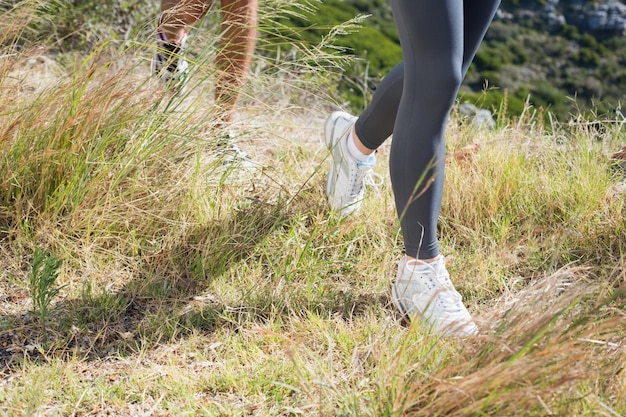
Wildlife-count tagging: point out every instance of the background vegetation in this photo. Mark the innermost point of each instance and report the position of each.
(563, 71)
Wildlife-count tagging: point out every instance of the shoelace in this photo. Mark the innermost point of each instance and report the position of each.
(446, 295)
(444, 279)
(365, 177)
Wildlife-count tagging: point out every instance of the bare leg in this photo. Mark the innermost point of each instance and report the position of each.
(178, 14)
(237, 42)
(239, 21)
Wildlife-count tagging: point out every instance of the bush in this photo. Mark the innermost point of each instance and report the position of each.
(486, 60)
(495, 101)
(82, 24)
(588, 58)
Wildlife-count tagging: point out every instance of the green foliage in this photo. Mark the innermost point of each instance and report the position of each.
(570, 71)
(69, 25)
(545, 95)
(42, 282)
(380, 52)
(587, 58)
(496, 101)
(569, 32)
(487, 61)
(375, 42)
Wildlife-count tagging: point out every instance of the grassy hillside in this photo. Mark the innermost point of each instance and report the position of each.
(562, 71)
(140, 275)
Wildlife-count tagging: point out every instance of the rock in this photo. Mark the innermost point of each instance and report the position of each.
(610, 16)
(599, 17)
(480, 118)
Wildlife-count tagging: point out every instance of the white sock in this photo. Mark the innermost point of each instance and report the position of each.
(419, 266)
(353, 150)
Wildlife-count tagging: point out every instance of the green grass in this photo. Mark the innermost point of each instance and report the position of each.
(191, 288)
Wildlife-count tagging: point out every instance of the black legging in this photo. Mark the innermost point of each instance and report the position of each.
(439, 40)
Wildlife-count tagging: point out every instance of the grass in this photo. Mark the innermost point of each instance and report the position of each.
(192, 288)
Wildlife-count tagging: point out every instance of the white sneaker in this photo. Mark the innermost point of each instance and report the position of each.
(347, 178)
(424, 291)
(231, 154)
(168, 64)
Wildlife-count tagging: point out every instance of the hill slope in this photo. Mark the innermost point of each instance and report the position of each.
(552, 52)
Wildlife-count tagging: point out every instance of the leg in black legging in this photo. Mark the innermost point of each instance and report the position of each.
(431, 33)
(376, 122)
(439, 39)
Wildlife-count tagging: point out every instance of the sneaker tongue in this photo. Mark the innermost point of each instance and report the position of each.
(368, 162)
